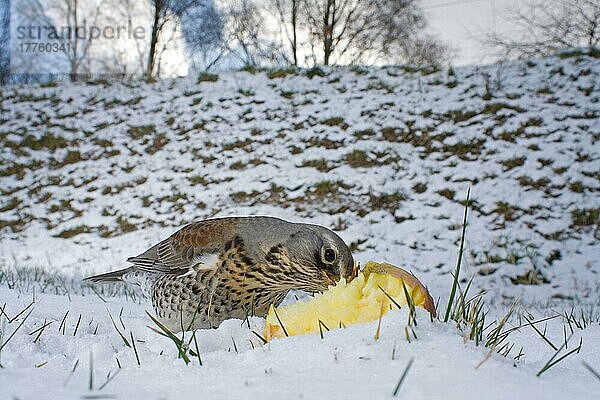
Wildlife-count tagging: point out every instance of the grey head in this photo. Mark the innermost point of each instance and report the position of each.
(309, 257)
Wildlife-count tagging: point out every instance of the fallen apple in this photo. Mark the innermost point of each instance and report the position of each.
(376, 289)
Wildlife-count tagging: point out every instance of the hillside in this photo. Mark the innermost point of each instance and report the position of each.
(92, 173)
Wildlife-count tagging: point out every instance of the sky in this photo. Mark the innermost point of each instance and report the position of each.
(456, 22)
(459, 22)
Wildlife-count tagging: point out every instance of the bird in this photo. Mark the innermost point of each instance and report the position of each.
(234, 267)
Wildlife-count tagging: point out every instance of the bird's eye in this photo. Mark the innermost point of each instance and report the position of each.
(329, 255)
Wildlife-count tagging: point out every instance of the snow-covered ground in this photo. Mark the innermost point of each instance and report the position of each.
(92, 173)
(346, 364)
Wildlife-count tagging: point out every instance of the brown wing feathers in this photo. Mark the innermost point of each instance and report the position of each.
(176, 254)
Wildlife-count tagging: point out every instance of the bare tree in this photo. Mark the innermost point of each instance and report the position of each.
(404, 38)
(73, 15)
(114, 64)
(161, 14)
(243, 30)
(121, 61)
(168, 40)
(202, 29)
(288, 14)
(70, 20)
(351, 31)
(165, 14)
(426, 50)
(543, 27)
(245, 34)
(4, 41)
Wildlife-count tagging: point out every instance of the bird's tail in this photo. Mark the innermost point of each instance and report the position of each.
(114, 276)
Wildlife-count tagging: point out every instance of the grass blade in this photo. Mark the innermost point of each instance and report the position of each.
(280, 323)
(10, 320)
(412, 312)
(390, 297)
(592, 370)
(137, 357)
(197, 350)
(552, 362)
(77, 325)
(62, 325)
(15, 331)
(109, 379)
(378, 331)
(118, 331)
(543, 335)
(397, 389)
(91, 375)
(258, 335)
(171, 335)
(460, 253)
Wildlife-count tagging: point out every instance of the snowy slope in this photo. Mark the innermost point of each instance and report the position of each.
(346, 364)
(92, 173)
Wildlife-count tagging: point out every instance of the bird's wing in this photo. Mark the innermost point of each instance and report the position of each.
(194, 246)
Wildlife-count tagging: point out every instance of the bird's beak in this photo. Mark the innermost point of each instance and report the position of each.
(355, 271)
(332, 278)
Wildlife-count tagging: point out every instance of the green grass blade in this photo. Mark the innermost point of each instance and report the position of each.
(171, 336)
(460, 253)
(397, 389)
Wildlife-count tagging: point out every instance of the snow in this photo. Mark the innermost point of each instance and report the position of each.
(382, 155)
(347, 363)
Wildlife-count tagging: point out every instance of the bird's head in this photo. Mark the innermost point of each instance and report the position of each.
(318, 258)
